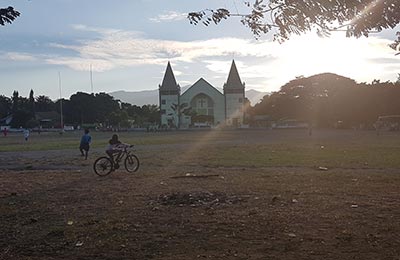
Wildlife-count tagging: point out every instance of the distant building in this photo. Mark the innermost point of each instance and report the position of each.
(6, 120)
(50, 119)
(202, 104)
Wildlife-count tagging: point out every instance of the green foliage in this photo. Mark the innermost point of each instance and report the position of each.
(8, 15)
(396, 44)
(325, 99)
(44, 104)
(104, 105)
(21, 118)
(285, 18)
(181, 109)
(82, 108)
(5, 106)
(31, 102)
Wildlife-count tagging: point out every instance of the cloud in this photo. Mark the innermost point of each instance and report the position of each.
(18, 56)
(263, 65)
(169, 16)
(117, 48)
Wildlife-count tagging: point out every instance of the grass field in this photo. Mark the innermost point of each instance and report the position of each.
(255, 148)
(244, 194)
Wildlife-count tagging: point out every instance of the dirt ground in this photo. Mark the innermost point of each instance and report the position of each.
(53, 206)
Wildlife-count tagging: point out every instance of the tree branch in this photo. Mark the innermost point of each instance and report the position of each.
(8, 15)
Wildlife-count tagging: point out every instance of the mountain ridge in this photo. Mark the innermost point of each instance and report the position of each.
(150, 97)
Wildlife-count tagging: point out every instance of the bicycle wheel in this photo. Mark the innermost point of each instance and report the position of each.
(131, 163)
(103, 166)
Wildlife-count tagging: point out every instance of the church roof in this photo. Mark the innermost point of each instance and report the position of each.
(169, 82)
(234, 81)
(202, 83)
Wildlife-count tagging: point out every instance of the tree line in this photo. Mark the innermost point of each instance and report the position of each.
(80, 109)
(327, 99)
(322, 100)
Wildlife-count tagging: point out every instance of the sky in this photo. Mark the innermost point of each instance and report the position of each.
(127, 44)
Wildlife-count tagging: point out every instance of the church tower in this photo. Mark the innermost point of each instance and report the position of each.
(169, 93)
(234, 98)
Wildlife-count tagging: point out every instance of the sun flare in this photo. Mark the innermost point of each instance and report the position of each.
(311, 54)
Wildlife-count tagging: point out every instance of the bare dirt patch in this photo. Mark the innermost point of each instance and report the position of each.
(67, 212)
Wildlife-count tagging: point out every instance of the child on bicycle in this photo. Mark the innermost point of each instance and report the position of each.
(115, 147)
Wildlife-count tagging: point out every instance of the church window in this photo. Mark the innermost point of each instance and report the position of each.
(202, 102)
(162, 111)
(163, 101)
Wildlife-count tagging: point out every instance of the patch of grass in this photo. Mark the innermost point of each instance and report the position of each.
(343, 149)
(305, 155)
(70, 140)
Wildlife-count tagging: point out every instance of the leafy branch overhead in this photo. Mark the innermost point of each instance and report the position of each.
(287, 17)
(396, 44)
(8, 15)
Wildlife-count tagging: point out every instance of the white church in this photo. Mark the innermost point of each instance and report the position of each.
(202, 104)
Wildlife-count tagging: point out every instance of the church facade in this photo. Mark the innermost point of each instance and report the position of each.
(202, 104)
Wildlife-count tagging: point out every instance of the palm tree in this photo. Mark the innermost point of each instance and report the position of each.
(181, 109)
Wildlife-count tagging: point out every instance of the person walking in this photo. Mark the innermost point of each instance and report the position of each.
(85, 144)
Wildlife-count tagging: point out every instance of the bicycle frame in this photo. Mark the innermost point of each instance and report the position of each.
(105, 165)
(123, 153)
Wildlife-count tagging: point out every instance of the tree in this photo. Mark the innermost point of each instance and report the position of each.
(31, 102)
(20, 118)
(326, 99)
(181, 109)
(8, 15)
(104, 106)
(119, 118)
(151, 113)
(135, 113)
(15, 101)
(44, 104)
(285, 18)
(5, 106)
(396, 44)
(81, 108)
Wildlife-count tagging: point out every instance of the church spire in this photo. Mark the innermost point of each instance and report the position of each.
(233, 81)
(169, 82)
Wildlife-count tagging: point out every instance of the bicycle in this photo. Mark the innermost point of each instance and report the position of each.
(104, 165)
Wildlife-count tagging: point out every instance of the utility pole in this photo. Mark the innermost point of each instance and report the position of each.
(91, 78)
(61, 106)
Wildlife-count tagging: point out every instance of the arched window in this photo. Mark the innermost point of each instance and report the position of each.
(202, 104)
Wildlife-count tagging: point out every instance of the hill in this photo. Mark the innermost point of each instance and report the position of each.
(146, 97)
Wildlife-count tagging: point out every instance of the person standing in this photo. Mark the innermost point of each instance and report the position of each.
(85, 144)
(26, 134)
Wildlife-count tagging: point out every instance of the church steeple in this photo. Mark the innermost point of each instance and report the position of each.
(169, 82)
(233, 81)
(234, 98)
(169, 94)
